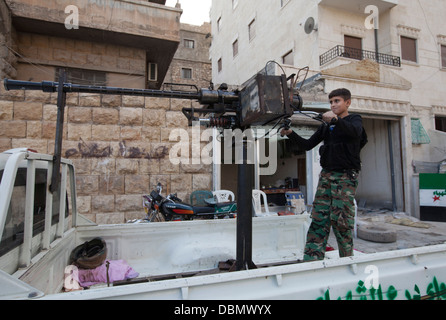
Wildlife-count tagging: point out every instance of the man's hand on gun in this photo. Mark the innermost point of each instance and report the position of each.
(327, 117)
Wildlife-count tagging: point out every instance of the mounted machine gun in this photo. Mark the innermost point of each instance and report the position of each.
(263, 100)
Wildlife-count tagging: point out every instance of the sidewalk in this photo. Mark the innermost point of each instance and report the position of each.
(410, 232)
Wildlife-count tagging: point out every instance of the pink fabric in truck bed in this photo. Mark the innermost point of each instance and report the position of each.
(118, 270)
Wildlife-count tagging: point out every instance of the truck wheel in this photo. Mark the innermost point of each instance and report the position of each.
(376, 234)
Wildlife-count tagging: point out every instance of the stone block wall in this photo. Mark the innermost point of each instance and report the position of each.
(119, 145)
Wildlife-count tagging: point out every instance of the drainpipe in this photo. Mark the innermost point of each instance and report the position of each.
(376, 44)
(392, 165)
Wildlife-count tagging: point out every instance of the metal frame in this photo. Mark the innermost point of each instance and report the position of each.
(6, 190)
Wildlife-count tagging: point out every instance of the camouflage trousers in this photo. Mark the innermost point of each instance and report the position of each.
(334, 207)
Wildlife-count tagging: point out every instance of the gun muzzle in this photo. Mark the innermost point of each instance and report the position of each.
(45, 86)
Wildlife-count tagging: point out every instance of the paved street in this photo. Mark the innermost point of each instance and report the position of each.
(422, 233)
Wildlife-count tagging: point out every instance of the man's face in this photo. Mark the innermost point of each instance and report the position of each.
(339, 106)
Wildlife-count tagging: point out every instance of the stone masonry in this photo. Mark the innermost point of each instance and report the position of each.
(119, 145)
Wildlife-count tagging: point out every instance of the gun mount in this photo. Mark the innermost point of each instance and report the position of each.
(263, 100)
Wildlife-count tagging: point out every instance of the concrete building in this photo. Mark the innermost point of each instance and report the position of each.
(394, 65)
(119, 144)
(191, 64)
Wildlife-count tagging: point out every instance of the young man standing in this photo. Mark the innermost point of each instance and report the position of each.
(343, 137)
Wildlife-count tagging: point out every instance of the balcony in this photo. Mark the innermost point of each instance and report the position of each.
(358, 6)
(357, 54)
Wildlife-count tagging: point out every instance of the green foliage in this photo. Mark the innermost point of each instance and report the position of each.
(434, 291)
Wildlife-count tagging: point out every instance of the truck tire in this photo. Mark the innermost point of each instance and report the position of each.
(376, 234)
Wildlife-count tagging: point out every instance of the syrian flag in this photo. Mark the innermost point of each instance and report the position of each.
(433, 197)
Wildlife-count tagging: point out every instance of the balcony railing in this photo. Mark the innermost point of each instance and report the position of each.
(358, 54)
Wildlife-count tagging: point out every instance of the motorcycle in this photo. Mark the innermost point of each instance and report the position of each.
(172, 208)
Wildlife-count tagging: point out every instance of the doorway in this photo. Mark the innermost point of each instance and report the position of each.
(381, 179)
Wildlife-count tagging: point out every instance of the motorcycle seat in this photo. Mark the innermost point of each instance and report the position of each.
(223, 204)
(218, 205)
(203, 210)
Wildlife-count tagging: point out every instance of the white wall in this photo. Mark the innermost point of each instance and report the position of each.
(414, 90)
(278, 30)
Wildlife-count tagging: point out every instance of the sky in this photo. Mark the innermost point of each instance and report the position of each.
(194, 11)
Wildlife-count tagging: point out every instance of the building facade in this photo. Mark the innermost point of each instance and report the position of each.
(119, 144)
(191, 64)
(390, 54)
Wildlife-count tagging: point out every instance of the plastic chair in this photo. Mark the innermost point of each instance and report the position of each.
(223, 196)
(198, 197)
(257, 204)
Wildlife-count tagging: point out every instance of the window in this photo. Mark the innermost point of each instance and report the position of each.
(84, 77)
(288, 58)
(186, 73)
(152, 71)
(409, 49)
(220, 65)
(252, 29)
(443, 57)
(189, 43)
(440, 124)
(353, 47)
(235, 48)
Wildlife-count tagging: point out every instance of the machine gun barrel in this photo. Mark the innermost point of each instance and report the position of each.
(204, 96)
(44, 86)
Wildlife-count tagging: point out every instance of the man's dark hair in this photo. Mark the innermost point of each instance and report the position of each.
(343, 93)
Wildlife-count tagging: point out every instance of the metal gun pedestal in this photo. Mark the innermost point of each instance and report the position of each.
(244, 213)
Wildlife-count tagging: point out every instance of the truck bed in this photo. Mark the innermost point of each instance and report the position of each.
(406, 274)
(180, 260)
(156, 249)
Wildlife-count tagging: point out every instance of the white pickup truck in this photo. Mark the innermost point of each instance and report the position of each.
(179, 260)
